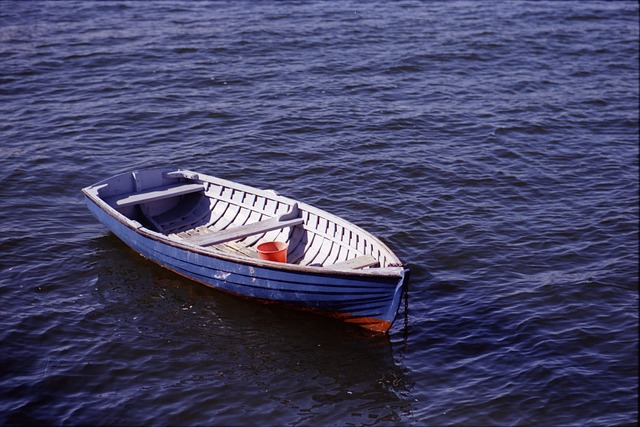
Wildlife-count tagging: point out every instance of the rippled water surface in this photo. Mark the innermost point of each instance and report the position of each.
(492, 145)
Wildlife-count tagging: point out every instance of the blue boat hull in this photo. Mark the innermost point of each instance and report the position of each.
(371, 301)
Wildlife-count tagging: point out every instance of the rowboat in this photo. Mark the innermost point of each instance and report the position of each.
(213, 231)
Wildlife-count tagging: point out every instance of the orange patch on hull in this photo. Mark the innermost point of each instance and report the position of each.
(370, 323)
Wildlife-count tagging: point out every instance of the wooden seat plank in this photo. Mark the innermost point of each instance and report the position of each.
(153, 194)
(239, 233)
(355, 263)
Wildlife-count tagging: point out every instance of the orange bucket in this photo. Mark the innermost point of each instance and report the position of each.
(273, 251)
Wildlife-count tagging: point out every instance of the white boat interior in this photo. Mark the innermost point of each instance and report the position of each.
(231, 218)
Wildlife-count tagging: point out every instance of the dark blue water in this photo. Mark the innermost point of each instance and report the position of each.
(492, 145)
